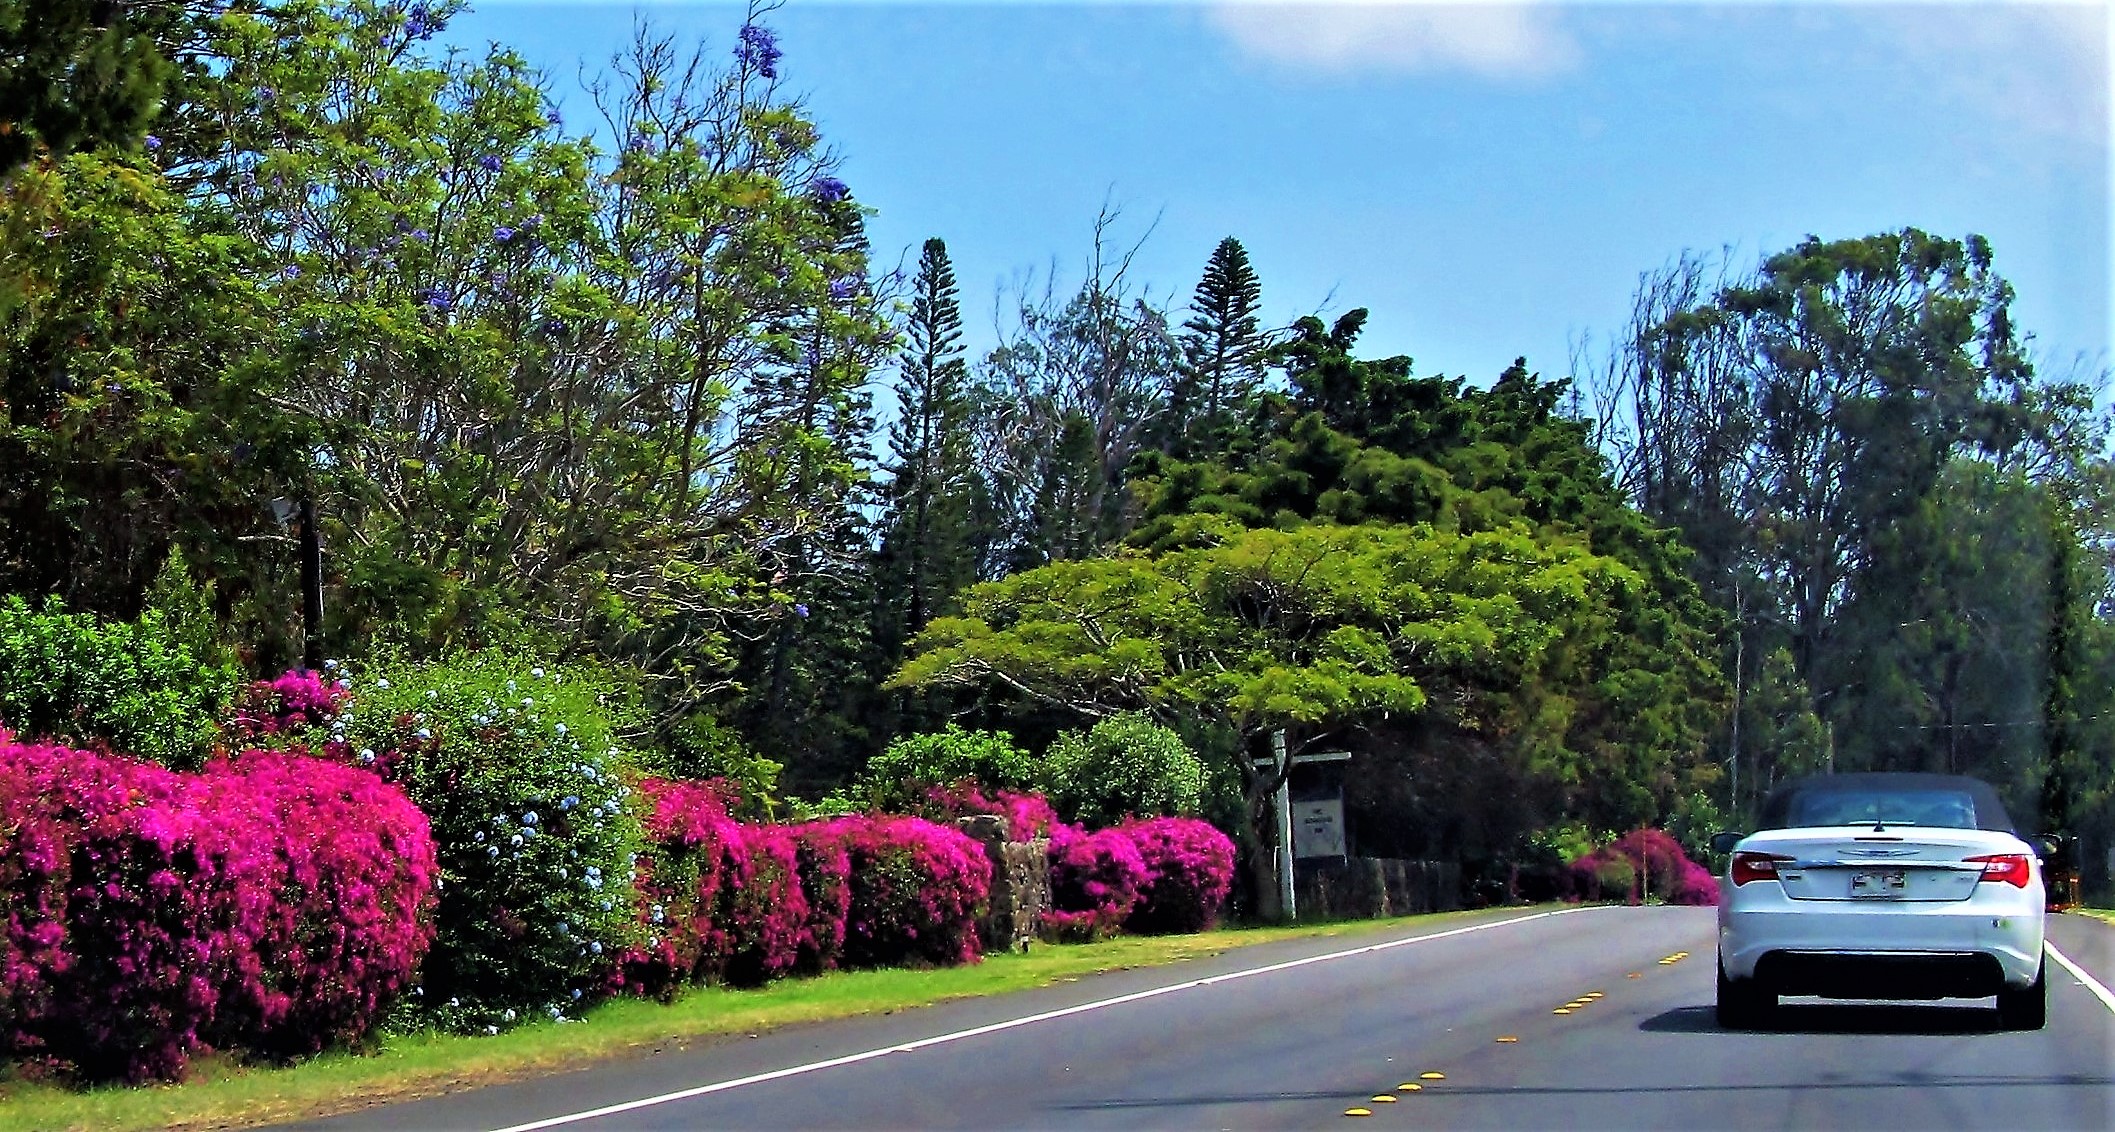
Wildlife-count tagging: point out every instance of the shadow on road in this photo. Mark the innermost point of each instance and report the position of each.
(1839, 1018)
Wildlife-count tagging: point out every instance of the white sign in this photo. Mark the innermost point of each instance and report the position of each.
(1318, 828)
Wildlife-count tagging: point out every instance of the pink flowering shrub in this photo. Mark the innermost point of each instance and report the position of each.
(694, 861)
(823, 865)
(354, 914)
(770, 912)
(1624, 868)
(1028, 815)
(275, 904)
(1095, 879)
(1189, 868)
(916, 891)
(295, 702)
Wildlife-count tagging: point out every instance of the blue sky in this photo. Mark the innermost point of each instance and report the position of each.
(1490, 181)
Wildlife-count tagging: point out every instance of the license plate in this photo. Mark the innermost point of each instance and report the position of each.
(1885, 885)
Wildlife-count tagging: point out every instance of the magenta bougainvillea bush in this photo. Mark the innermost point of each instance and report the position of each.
(917, 889)
(694, 860)
(823, 865)
(769, 916)
(1640, 863)
(1095, 880)
(272, 903)
(1028, 815)
(292, 704)
(1189, 870)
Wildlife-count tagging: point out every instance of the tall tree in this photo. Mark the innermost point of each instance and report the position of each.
(1852, 438)
(1070, 397)
(1223, 354)
(74, 73)
(926, 551)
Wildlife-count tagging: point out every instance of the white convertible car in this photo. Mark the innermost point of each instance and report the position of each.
(1881, 886)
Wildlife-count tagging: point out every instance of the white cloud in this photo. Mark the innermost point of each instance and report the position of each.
(1493, 39)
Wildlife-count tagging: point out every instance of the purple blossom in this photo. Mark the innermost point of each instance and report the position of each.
(421, 235)
(844, 287)
(641, 143)
(759, 49)
(290, 272)
(266, 94)
(437, 299)
(419, 23)
(490, 163)
(153, 143)
(828, 190)
(502, 234)
(555, 119)
(800, 609)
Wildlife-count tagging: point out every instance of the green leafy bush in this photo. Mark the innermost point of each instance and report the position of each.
(1123, 766)
(899, 776)
(80, 680)
(523, 775)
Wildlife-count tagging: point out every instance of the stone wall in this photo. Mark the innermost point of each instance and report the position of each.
(1020, 884)
(1369, 887)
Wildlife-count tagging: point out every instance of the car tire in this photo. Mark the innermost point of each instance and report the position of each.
(1743, 1004)
(2026, 1008)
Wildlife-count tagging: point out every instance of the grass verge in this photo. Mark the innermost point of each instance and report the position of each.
(2097, 913)
(227, 1094)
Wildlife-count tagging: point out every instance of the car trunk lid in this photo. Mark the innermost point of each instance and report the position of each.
(1893, 863)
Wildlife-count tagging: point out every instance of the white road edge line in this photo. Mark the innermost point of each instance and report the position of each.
(2106, 997)
(1014, 1023)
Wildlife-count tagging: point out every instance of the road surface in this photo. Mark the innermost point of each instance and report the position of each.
(1588, 1018)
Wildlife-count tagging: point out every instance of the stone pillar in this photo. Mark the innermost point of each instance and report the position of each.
(1020, 883)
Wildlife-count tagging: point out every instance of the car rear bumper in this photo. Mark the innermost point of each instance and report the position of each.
(1899, 950)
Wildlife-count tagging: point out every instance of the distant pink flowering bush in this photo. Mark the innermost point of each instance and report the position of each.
(916, 891)
(1028, 815)
(1189, 870)
(1643, 862)
(274, 903)
(1095, 879)
(298, 700)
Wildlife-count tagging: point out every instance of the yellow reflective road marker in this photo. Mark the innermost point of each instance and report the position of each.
(1562, 1010)
(1635, 975)
(1358, 1112)
(1433, 1075)
(1409, 1087)
(1383, 1098)
(1595, 995)
(1508, 1039)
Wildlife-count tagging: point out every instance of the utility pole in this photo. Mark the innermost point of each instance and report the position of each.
(311, 587)
(1283, 769)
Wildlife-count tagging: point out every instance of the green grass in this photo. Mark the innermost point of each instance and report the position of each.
(2097, 913)
(226, 1094)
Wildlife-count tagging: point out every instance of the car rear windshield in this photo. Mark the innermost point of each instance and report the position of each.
(1947, 809)
(1944, 801)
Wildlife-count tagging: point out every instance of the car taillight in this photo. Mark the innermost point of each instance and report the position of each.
(2011, 868)
(1755, 866)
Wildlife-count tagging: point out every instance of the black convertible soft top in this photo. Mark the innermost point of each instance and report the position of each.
(1785, 801)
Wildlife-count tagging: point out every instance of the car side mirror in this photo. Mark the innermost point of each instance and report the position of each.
(1724, 842)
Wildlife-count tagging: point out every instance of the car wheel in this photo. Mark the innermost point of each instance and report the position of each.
(2025, 1009)
(1743, 1004)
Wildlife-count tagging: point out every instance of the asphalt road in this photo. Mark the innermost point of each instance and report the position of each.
(1315, 1033)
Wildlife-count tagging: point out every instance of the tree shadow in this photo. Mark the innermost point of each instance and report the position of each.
(1824, 1017)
